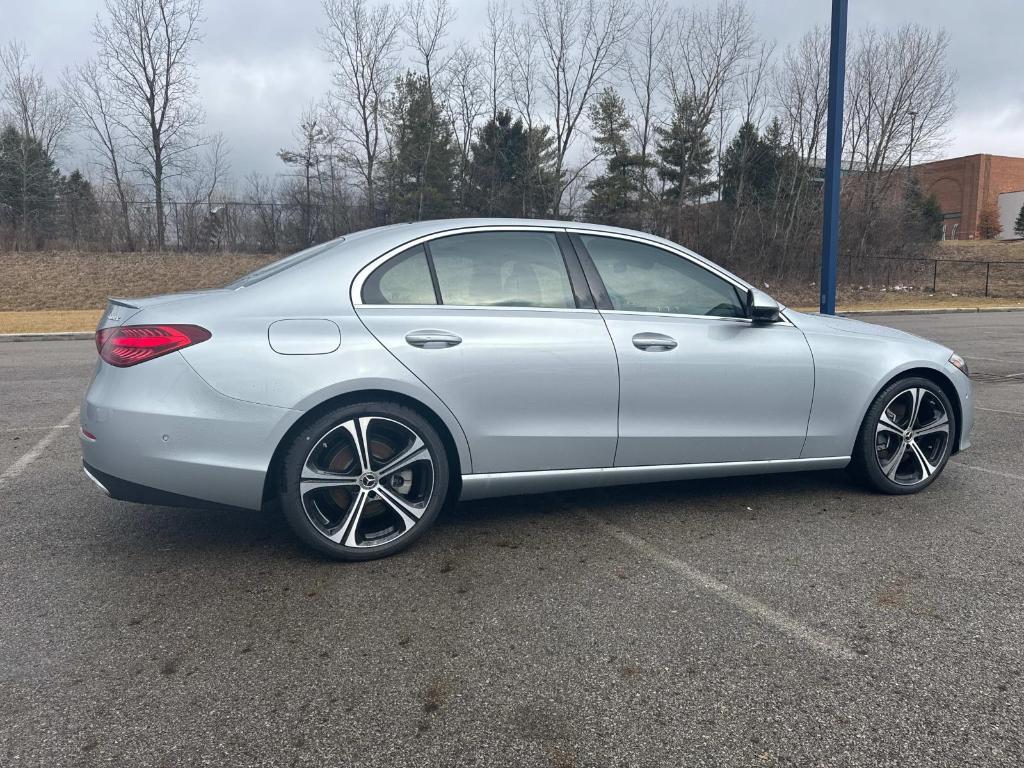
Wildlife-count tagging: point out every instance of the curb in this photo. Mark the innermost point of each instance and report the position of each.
(930, 311)
(63, 336)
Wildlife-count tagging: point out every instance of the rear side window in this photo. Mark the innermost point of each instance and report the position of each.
(501, 269)
(644, 278)
(404, 279)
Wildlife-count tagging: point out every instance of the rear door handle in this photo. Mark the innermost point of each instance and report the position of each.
(432, 339)
(654, 342)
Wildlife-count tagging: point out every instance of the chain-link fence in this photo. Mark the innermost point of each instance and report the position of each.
(939, 275)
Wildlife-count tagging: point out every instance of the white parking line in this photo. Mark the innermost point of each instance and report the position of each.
(999, 410)
(828, 645)
(34, 429)
(1008, 475)
(996, 359)
(36, 451)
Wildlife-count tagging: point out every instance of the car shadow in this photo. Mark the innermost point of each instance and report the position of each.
(725, 493)
(265, 533)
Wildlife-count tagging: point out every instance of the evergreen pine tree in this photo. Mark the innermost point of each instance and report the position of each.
(685, 153)
(613, 194)
(28, 186)
(421, 167)
(922, 214)
(989, 225)
(1018, 226)
(78, 206)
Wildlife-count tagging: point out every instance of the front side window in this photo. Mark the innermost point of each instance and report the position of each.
(644, 278)
(405, 279)
(501, 269)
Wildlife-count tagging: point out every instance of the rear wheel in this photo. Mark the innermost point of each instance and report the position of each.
(906, 438)
(364, 481)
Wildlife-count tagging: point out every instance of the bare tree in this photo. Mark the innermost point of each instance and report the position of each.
(216, 166)
(644, 70)
(801, 92)
(313, 139)
(525, 73)
(88, 90)
(426, 24)
(262, 194)
(899, 82)
(580, 43)
(467, 102)
(525, 92)
(42, 117)
(711, 49)
(145, 46)
(362, 43)
(496, 42)
(40, 112)
(801, 100)
(899, 100)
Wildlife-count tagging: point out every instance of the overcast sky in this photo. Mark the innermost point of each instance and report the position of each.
(260, 63)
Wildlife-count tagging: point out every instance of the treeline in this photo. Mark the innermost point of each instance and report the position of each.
(677, 120)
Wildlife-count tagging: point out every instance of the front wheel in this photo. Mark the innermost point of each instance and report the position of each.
(364, 481)
(906, 438)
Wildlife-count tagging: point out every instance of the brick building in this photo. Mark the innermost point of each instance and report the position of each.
(967, 185)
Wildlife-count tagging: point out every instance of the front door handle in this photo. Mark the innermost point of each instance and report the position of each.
(432, 339)
(654, 342)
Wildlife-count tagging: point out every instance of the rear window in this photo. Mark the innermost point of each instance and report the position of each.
(282, 264)
(405, 279)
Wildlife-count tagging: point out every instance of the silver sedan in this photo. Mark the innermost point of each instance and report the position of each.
(365, 382)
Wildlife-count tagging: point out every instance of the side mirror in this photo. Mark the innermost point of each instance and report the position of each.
(762, 308)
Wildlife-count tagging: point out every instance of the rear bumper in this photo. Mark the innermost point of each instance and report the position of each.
(164, 436)
(124, 490)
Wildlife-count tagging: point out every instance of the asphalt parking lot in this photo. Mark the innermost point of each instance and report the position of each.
(784, 620)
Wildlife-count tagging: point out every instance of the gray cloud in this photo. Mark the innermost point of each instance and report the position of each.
(260, 63)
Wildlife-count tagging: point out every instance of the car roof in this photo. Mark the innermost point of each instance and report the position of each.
(383, 239)
(344, 257)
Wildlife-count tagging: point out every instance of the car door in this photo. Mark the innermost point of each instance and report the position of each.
(699, 382)
(491, 322)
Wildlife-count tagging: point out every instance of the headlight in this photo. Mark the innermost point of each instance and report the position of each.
(960, 363)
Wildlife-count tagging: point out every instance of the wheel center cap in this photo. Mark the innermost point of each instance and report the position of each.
(908, 434)
(368, 480)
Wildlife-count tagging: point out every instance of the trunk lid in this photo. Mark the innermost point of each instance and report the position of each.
(119, 311)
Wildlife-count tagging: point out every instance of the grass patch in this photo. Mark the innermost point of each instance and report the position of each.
(50, 321)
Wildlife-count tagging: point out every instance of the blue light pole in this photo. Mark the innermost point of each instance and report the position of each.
(833, 158)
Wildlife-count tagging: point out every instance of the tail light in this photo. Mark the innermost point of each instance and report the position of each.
(133, 344)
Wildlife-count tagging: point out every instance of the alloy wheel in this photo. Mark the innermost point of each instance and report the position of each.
(367, 482)
(911, 436)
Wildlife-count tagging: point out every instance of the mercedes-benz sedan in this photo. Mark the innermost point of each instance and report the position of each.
(366, 381)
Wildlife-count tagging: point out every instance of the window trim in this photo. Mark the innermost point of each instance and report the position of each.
(589, 288)
(599, 290)
(574, 272)
(413, 251)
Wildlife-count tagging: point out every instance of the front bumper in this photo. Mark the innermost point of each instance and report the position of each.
(163, 435)
(965, 396)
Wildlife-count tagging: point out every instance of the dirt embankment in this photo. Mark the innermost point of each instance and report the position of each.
(74, 280)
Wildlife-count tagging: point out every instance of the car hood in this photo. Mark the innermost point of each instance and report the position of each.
(833, 323)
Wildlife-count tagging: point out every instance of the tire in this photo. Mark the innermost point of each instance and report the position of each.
(364, 481)
(906, 437)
